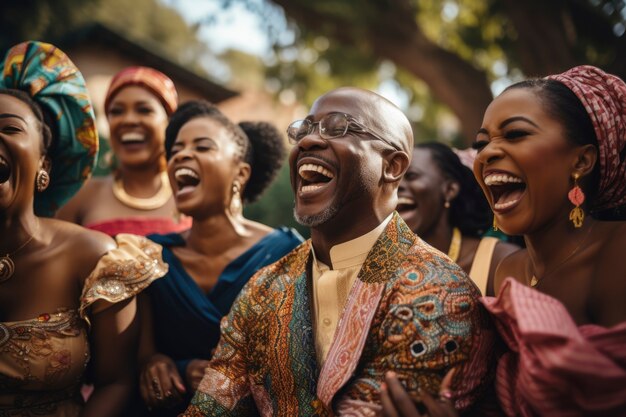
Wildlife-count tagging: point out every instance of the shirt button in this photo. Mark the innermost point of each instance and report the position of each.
(326, 321)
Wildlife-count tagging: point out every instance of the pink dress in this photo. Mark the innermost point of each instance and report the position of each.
(141, 226)
(554, 367)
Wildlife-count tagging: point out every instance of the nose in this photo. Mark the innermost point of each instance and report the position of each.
(181, 155)
(490, 153)
(312, 140)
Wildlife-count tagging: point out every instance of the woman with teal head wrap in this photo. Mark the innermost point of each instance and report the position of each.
(67, 294)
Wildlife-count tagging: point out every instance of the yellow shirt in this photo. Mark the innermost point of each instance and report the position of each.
(331, 286)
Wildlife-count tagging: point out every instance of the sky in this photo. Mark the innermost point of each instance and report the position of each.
(235, 27)
(239, 28)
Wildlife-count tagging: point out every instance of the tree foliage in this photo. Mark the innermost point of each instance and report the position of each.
(458, 48)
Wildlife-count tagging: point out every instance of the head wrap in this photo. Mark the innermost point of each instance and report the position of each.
(154, 81)
(45, 73)
(604, 98)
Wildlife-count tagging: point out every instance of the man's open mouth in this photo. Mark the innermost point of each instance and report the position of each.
(506, 189)
(186, 179)
(5, 170)
(313, 177)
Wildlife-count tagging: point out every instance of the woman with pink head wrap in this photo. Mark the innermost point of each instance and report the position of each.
(551, 160)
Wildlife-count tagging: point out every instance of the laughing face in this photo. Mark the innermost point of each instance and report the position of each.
(20, 151)
(137, 122)
(422, 194)
(339, 177)
(524, 162)
(205, 162)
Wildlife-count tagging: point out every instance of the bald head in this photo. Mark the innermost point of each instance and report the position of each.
(374, 111)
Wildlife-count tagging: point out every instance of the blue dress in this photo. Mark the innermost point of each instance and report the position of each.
(186, 319)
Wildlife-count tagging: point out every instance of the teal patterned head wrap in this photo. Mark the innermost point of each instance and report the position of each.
(46, 74)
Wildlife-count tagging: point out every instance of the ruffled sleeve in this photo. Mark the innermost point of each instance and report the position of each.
(553, 366)
(122, 273)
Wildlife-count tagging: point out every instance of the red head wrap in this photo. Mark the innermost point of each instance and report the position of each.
(154, 81)
(604, 98)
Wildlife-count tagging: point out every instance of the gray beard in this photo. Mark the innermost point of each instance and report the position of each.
(317, 219)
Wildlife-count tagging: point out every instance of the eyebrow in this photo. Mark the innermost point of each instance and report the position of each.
(196, 140)
(10, 115)
(508, 122)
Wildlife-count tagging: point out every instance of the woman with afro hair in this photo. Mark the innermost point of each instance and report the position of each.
(214, 166)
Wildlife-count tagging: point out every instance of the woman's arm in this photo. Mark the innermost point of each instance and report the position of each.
(113, 341)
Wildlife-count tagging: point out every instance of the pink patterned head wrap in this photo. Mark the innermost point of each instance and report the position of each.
(154, 81)
(604, 98)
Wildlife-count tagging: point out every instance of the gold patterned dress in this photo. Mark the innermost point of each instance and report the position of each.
(42, 360)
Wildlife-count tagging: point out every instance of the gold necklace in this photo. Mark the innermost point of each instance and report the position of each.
(455, 245)
(534, 281)
(151, 203)
(7, 266)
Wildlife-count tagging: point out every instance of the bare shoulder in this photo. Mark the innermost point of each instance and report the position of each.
(81, 246)
(503, 250)
(511, 265)
(608, 284)
(74, 209)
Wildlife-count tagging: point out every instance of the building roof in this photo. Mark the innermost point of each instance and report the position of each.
(149, 56)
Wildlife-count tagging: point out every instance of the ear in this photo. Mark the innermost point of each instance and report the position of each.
(395, 165)
(243, 174)
(586, 158)
(451, 190)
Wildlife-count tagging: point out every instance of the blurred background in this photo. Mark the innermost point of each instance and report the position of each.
(441, 61)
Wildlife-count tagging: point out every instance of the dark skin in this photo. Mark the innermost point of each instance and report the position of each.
(363, 202)
(427, 188)
(50, 270)
(216, 238)
(133, 111)
(580, 267)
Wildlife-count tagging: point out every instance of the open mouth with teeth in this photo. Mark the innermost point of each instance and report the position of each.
(314, 177)
(506, 190)
(5, 170)
(405, 204)
(132, 138)
(186, 179)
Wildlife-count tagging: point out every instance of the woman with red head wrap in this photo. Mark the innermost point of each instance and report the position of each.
(552, 162)
(137, 198)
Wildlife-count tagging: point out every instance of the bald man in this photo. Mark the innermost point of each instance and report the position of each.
(315, 333)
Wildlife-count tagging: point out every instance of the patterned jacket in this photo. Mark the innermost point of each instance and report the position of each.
(411, 310)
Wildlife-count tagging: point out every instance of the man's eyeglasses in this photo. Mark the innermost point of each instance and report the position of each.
(331, 126)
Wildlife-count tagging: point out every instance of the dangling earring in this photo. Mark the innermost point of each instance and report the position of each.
(446, 204)
(236, 207)
(42, 180)
(495, 225)
(576, 197)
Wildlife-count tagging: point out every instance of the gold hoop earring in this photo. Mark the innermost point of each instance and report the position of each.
(42, 180)
(236, 206)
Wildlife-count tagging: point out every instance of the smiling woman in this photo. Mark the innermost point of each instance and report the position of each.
(138, 197)
(67, 294)
(215, 166)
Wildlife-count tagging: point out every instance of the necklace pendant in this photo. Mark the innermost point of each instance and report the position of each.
(534, 281)
(7, 268)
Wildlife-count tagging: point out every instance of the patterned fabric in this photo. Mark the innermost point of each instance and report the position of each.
(141, 226)
(155, 81)
(553, 367)
(604, 98)
(53, 81)
(42, 360)
(411, 310)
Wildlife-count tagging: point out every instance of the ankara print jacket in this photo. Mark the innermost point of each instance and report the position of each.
(411, 310)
